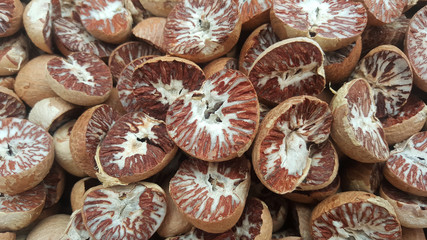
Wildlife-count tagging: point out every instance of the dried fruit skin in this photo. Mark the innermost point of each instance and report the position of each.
(124, 212)
(211, 195)
(202, 30)
(281, 154)
(217, 122)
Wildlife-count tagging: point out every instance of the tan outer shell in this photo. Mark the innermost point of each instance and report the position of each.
(358, 176)
(31, 84)
(343, 133)
(413, 234)
(61, 139)
(409, 215)
(8, 236)
(50, 228)
(49, 113)
(16, 57)
(219, 64)
(151, 30)
(159, 8)
(78, 191)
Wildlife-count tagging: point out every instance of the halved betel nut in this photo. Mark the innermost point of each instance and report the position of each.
(281, 150)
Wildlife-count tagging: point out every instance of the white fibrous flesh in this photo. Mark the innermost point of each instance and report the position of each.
(361, 117)
(26, 201)
(409, 162)
(126, 212)
(385, 10)
(204, 24)
(171, 91)
(5, 16)
(22, 146)
(215, 117)
(417, 43)
(359, 221)
(38, 12)
(331, 19)
(211, 194)
(76, 229)
(390, 77)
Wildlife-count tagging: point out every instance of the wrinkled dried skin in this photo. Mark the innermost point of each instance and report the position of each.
(259, 40)
(202, 30)
(126, 53)
(211, 195)
(76, 228)
(415, 47)
(26, 151)
(217, 122)
(356, 215)
(70, 36)
(20, 210)
(124, 212)
(388, 71)
(10, 17)
(281, 152)
(107, 20)
(381, 12)
(407, 122)
(156, 84)
(11, 105)
(288, 68)
(89, 130)
(323, 167)
(333, 24)
(355, 129)
(13, 54)
(38, 20)
(406, 167)
(411, 210)
(82, 78)
(135, 148)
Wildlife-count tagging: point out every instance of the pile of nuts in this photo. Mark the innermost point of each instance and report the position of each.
(226, 119)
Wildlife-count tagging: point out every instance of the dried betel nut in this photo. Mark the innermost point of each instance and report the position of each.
(7, 82)
(54, 183)
(333, 24)
(27, 154)
(358, 176)
(75, 228)
(82, 79)
(88, 131)
(137, 209)
(339, 64)
(323, 167)
(107, 20)
(8, 235)
(281, 150)
(389, 73)
(13, 54)
(174, 223)
(202, 30)
(38, 18)
(409, 120)
(219, 64)
(411, 210)
(31, 83)
(354, 214)
(315, 196)
(11, 19)
(253, 13)
(126, 53)
(413, 234)
(219, 121)
(415, 47)
(211, 196)
(288, 68)
(19, 211)
(137, 11)
(355, 129)
(301, 215)
(11, 105)
(61, 140)
(51, 227)
(406, 167)
(258, 41)
(159, 8)
(50, 113)
(380, 13)
(135, 148)
(71, 36)
(151, 30)
(79, 189)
